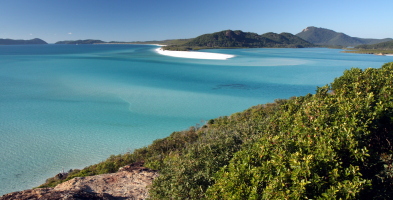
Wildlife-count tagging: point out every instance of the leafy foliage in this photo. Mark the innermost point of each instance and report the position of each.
(327, 145)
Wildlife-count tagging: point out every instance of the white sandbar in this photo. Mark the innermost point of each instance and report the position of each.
(194, 54)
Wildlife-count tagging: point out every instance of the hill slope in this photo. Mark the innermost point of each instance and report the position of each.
(240, 39)
(20, 42)
(337, 143)
(322, 36)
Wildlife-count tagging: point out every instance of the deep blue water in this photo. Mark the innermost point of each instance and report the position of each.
(70, 106)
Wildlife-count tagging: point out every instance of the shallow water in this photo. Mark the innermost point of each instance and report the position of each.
(69, 106)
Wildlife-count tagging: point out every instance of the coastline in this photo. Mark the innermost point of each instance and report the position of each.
(373, 51)
(194, 54)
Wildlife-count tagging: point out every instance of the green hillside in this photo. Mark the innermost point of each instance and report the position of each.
(384, 46)
(240, 39)
(89, 41)
(322, 36)
(335, 144)
(20, 42)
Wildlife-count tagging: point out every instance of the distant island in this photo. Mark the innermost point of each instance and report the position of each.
(89, 41)
(240, 39)
(326, 37)
(21, 42)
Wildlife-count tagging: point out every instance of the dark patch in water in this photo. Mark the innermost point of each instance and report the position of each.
(233, 86)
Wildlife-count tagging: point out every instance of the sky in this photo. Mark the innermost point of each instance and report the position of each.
(146, 20)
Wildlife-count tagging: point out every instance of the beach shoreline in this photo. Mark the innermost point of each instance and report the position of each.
(194, 54)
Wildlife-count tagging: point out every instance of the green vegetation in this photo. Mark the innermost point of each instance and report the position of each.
(335, 144)
(20, 42)
(370, 51)
(239, 39)
(326, 37)
(80, 42)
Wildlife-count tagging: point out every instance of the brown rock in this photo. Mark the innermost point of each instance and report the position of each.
(50, 194)
(131, 183)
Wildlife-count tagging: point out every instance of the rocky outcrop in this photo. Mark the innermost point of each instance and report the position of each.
(131, 182)
(50, 194)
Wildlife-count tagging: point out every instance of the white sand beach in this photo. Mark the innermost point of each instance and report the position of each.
(194, 54)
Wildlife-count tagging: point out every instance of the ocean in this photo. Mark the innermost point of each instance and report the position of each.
(70, 106)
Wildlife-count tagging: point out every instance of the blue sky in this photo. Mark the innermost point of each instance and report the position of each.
(141, 20)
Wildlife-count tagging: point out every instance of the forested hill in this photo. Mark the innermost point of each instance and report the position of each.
(89, 41)
(334, 144)
(383, 45)
(322, 36)
(20, 42)
(240, 39)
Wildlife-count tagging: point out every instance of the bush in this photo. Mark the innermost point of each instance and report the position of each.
(327, 146)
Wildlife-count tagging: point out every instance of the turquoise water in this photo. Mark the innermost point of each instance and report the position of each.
(69, 106)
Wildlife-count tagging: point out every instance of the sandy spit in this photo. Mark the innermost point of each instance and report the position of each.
(194, 54)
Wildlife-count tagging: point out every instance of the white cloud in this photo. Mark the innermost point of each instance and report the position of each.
(69, 33)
